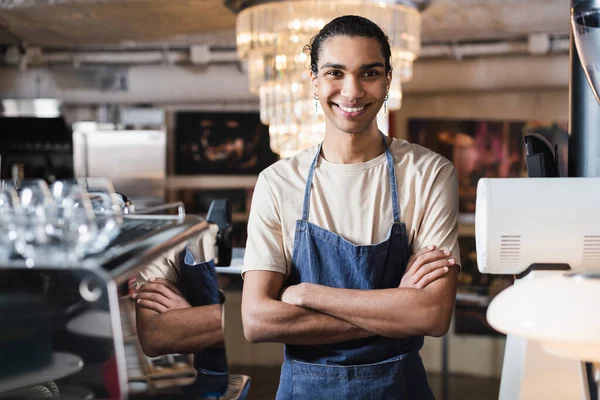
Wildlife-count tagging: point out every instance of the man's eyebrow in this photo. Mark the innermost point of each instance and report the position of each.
(332, 65)
(372, 65)
(362, 67)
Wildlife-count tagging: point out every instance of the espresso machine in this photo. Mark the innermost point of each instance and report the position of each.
(545, 230)
(68, 326)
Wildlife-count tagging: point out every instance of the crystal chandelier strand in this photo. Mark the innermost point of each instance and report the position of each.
(278, 25)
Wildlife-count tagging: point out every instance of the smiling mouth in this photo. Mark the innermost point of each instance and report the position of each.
(351, 111)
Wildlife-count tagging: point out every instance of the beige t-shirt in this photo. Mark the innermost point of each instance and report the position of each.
(166, 266)
(354, 201)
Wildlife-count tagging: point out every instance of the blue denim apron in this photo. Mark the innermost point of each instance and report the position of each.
(376, 367)
(200, 288)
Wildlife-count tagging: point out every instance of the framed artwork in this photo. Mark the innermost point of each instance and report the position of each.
(234, 143)
(485, 148)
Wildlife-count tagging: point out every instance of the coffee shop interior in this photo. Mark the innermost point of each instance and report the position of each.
(174, 107)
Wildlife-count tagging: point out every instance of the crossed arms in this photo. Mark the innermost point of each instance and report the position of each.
(304, 313)
(167, 323)
(316, 314)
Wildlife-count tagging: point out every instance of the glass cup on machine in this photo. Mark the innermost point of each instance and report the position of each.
(107, 211)
(58, 225)
(10, 214)
(73, 219)
(35, 239)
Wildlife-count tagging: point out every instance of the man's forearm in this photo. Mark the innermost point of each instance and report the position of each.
(398, 312)
(185, 330)
(274, 321)
(377, 310)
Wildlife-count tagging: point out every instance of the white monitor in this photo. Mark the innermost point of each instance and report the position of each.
(525, 221)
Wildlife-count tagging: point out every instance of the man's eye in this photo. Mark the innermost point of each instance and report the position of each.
(334, 73)
(371, 73)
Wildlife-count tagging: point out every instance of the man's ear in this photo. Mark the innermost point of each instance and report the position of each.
(389, 81)
(313, 81)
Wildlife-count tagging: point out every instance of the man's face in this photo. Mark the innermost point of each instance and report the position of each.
(351, 82)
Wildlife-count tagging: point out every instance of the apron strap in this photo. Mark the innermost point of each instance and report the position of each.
(391, 177)
(309, 179)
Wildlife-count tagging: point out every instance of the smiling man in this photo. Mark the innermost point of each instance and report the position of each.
(329, 268)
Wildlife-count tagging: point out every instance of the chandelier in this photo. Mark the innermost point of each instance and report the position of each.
(271, 35)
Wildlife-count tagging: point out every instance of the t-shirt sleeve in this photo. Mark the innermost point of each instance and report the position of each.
(264, 246)
(166, 266)
(439, 225)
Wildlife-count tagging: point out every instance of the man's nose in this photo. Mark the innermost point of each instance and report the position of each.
(352, 88)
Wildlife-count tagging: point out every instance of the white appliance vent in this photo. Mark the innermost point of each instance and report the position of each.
(591, 250)
(510, 248)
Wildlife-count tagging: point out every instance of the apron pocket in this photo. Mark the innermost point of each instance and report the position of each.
(383, 380)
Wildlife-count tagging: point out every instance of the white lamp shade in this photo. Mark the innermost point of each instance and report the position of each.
(560, 312)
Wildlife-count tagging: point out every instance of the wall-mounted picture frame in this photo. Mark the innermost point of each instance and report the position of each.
(485, 148)
(221, 143)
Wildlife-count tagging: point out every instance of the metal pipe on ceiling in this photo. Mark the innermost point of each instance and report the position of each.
(204, 55)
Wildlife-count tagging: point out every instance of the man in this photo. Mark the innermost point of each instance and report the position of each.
(179, 310)
(166, 321)
(324, 272)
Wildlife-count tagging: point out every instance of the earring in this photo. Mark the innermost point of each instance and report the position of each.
(316, 103)
(385, 102)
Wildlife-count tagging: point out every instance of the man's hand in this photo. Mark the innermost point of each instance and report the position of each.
(160, 295)
(294, 294)
(426, 266)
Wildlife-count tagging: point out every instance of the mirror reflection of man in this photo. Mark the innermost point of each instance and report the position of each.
(179, 309)
(166, 321)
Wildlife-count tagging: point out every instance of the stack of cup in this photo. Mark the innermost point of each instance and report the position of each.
(60, 224)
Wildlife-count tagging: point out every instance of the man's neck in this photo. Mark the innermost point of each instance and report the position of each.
(344, 148)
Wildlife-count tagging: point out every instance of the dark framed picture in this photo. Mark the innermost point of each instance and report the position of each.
(228, 143)
(485, 148)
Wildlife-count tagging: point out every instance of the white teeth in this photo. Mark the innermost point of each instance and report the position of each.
(346, 109)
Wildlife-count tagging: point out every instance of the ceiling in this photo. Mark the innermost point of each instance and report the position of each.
(490, 19)
(144, 23)
(79, 23)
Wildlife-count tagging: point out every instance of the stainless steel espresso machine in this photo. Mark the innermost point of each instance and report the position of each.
(68, 327)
